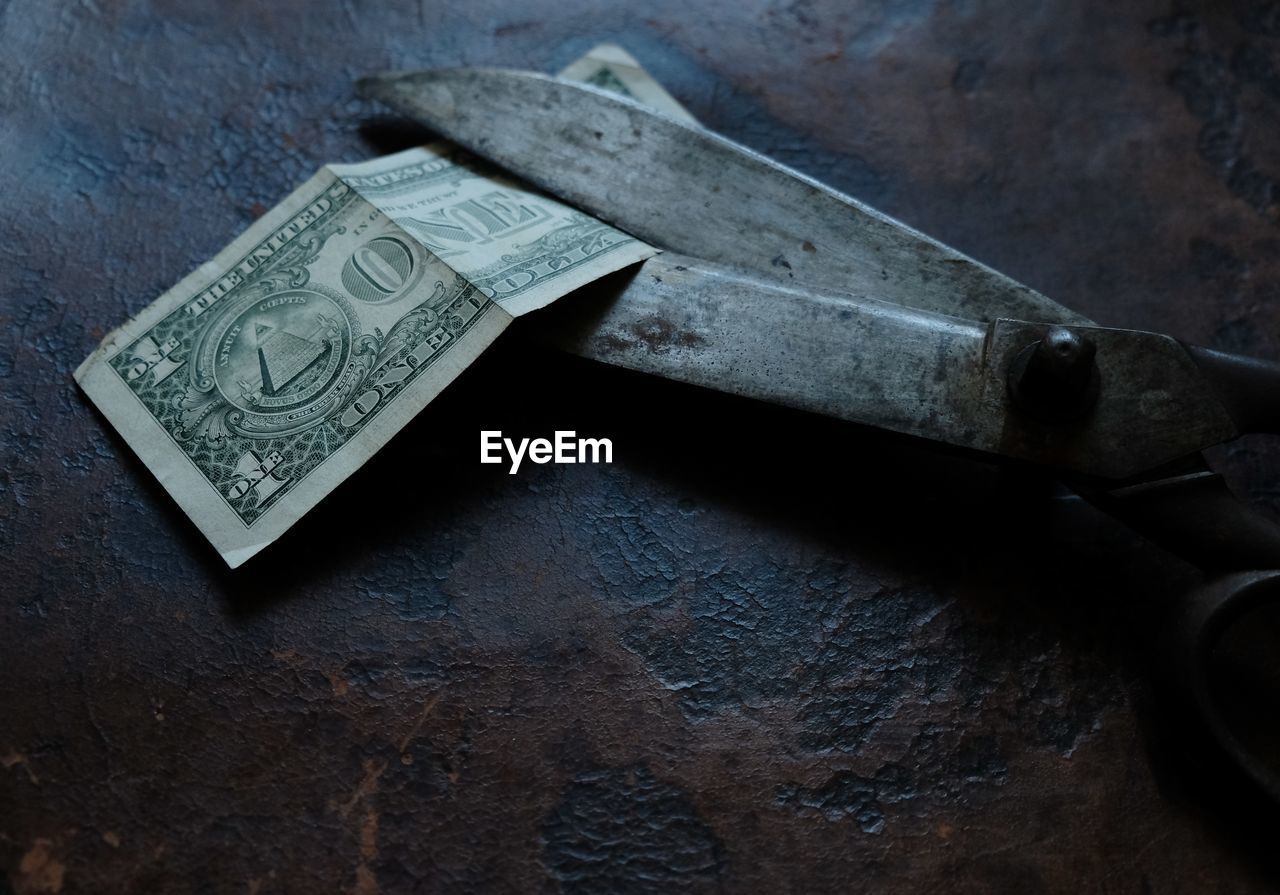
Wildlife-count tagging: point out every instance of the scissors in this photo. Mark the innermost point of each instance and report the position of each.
(776, 287)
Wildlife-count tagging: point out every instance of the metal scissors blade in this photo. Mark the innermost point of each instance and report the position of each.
(893, 367)
(684, 188)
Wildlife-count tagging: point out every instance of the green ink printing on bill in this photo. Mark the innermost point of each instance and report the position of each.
(261, 381)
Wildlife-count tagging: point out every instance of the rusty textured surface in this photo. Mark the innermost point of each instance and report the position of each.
(712, 666)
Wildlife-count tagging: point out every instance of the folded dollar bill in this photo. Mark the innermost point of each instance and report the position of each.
(266, 377)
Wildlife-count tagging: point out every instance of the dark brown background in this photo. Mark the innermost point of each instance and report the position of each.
(760, 651)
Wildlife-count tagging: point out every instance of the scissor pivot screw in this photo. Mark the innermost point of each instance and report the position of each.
(1055, 379)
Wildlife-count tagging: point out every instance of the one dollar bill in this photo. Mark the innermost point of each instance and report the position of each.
(266, 377)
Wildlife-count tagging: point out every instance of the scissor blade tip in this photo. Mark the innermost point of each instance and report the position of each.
(420, 94)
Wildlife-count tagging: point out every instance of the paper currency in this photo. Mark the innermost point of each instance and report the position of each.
(270, 374)
(610, 67)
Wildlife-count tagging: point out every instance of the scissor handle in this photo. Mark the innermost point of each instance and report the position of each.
(1204, 618)
(1193, 514)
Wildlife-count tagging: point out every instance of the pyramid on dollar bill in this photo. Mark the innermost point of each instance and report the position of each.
(283, 356)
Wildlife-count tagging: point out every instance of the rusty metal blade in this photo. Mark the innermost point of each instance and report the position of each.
(684, 188)
(886, 365)
(800, 295)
